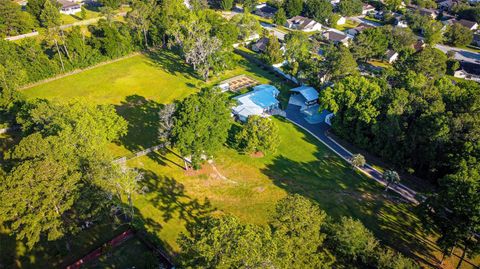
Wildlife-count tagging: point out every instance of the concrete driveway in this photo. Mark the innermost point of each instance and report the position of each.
(461, 54)
(279, 34)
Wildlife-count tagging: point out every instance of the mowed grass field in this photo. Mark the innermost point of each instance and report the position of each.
(249, 188)
(241, 185)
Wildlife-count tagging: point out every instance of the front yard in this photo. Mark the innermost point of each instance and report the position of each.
(244, 186)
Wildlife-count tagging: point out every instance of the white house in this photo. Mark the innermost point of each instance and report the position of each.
(69, 7)
(391, 56)
(303, 24)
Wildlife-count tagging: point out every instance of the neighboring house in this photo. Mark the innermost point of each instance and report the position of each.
(367, 8)
(469, 24)
(341, 21)
(446, 5)
(336, 37)
(391, 56)
(265, 11)
(69, 7)
(469, 71)
(360, 28)
(303, 24)
(428, 12)
(261, 101)
(306, 95)
(260, 45)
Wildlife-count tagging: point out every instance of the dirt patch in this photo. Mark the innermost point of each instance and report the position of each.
(205, 170)
(257, 154)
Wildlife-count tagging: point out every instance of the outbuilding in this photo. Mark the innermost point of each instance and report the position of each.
(308, 95)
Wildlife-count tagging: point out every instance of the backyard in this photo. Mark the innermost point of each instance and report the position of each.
(244, 186)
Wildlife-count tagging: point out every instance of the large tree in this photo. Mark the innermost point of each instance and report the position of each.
(319, 10)
(227, 243)
(297, 52)
(454, 210)
(60, 169)
(293, 7)
(140, 17)
(296, 226)
(458, 35)
(352, 241)
(202, 122)
(13, 20)
(354, 100)
(370, 43)
(338, 63)
(258, 135)
(273, 53)
(350, 7)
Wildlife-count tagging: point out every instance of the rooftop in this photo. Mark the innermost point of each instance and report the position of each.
(309, 93)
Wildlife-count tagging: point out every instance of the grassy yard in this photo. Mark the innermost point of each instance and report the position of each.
(349, 24)
(236, 184)
(138, 86)
(90, 14)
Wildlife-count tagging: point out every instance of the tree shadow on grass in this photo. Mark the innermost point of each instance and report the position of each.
(169, 196)
(172, 63)
(344, 192)
(142, 117)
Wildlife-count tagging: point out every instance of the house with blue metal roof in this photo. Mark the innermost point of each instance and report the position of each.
(260, 101)
(306, 95)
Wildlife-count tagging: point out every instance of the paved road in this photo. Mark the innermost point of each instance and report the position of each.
(461, 54)
(319, 131)
(279, 34)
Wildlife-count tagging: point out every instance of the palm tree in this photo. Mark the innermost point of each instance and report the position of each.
(391, 177)
(357, 160)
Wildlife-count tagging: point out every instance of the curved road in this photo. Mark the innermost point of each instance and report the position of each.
(294, 115)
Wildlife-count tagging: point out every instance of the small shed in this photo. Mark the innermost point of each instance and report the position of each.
(309, 94)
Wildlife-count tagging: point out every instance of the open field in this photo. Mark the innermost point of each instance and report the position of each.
(235, 184)
(138, 86)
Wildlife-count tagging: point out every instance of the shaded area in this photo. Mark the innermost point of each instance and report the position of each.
(344, 192)
(169, 196)
(142, 117)
(171, 62)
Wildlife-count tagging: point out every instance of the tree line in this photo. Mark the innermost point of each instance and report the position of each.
(201, 36)
(298, 235)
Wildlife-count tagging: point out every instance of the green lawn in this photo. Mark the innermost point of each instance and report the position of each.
(249, 187)
(90, 14)
(349, 24)
(238, 184)
(138, 86)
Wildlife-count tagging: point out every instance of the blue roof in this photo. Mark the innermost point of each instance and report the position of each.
(264, 95)
(307, 92)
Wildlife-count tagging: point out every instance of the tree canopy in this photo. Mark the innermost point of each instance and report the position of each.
(201, 124)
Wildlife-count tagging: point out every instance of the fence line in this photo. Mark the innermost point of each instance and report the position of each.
(137, 154)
